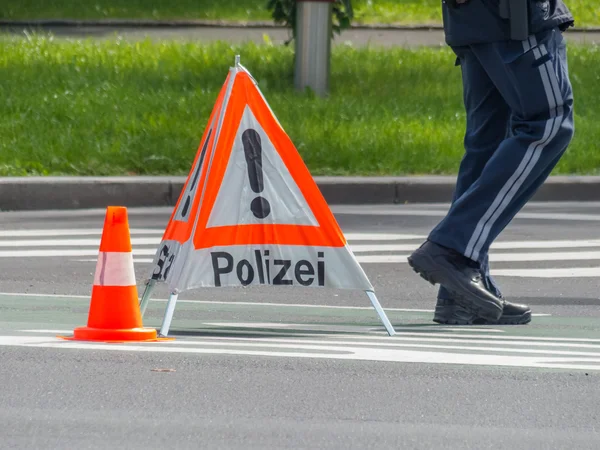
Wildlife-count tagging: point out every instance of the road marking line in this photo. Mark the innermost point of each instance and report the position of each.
(497, 257)
(214, 302)
(267, 304)
(358, 236)
(335, 352)
(33, 294)
(391, 258)
(47, 331)
(449, 329)
(293, 305)
(351, 236)
(549, 256)
(73, 242)
(451, 338)
(312, 344)
(391, 211)
(456, 328)
(483, 337)
(582, 243)
(575, 272)
(404, 339)
(508, 245)
(322, 328)
(71, 232)
(63, 252)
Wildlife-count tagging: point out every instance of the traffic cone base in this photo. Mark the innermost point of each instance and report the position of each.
(103, 334)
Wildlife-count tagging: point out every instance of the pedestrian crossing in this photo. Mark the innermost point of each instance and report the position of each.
(527, 258)
(433, 345)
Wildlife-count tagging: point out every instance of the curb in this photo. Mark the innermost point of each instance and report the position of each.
(149, 23)
(45, 193)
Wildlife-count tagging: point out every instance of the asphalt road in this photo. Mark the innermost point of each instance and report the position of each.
(305, 368)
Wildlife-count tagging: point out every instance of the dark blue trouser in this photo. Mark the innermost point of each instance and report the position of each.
(519, 106)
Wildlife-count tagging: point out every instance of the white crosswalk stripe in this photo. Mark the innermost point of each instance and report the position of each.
(472, 347)
(528, 258)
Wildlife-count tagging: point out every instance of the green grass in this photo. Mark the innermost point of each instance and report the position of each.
(143, 9)
(586, 12)
(111, 108)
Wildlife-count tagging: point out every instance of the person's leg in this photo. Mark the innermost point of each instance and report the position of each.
(448, 312)
(534, 82)
(488, 118)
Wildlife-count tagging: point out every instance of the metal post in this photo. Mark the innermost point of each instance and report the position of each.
(164, 328)
(146, 296)
(313, 45)
(382, 315)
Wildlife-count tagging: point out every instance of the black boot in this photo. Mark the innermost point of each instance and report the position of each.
(449, 313)
(460, 276)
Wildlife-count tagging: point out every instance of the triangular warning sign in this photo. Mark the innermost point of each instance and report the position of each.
(250, 213)
(258, 190)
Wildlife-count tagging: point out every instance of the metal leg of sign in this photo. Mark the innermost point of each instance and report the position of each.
(382, 315)
(164, 328)
(146, 296)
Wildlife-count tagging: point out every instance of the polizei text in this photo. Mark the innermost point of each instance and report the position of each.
(277, 272)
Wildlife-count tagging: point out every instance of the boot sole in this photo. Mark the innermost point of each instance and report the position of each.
(446, 318)
(479, 307)
(523, 319)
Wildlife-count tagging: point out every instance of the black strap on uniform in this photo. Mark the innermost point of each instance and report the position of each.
(452, 3)
(517, 13)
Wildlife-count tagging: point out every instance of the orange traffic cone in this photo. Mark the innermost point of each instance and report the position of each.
(114, 311)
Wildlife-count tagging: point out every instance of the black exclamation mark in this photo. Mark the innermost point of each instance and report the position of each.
(260, 206)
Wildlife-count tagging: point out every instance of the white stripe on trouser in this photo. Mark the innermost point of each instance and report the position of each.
(114, 269)
(553, 82)
(532, 155)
